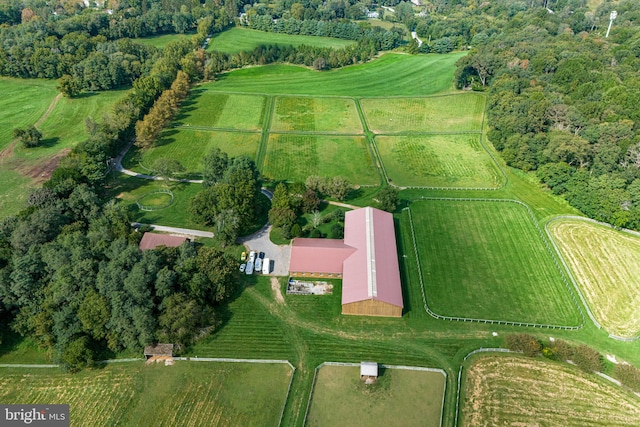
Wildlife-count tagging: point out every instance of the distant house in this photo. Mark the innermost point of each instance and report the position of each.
(417, 2)
(158, 350)
(373, 15)
(366, 260)
(153, 240)
(368, 372)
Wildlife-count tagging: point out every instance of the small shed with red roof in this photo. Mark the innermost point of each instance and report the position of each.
(366, 260)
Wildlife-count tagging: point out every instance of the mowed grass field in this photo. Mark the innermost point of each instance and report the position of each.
(606, 266)
(458, 161)
(239, 39)
(315, 114)
(163, 39)
(454, 113)
(222, 110)
(500, 390)
(295, 157)
(487, 260)
(391, 75)
(189, 147)
(400, 397)
(132, 394)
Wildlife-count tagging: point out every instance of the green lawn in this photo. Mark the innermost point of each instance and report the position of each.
(132, 394)
(239, 39)
(222, 110)
(487, 260)
(462, 112)
(333, 115)
(389, 75)
(295, 157)
(162, 40)
(458, 161)
(189, 146)
(400, 397)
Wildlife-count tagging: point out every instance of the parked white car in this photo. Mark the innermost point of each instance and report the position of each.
(258, 266)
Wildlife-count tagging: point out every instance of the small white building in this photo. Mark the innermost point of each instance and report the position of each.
(369, 372)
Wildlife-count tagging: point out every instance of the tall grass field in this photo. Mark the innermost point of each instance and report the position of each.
(606, 266)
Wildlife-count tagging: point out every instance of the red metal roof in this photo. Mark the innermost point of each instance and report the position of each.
(153, 240)
(318, 255)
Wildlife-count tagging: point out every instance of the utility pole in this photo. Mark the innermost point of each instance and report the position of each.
(613, 16)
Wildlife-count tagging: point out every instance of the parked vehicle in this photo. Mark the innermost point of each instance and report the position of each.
(242, 267)
(258, 266)
(261, 255)
(249, 269)
(252, 256)
(266, 266)
(243, 257)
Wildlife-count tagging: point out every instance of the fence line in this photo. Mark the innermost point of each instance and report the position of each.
(554, 257)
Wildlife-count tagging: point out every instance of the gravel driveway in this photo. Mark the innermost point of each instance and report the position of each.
(278, 255)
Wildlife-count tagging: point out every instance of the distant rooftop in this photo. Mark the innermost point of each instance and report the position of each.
(153, 240)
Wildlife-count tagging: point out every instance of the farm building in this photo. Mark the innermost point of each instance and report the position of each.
(153, 240)
(369, 372)
(158, 350)
(366, 260)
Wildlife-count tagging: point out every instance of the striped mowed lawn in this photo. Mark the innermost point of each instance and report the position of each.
(449, 113)
(132, 394)
(488, 260)
(438, 161)
(606, 266)
(315, 114)
(295, 157)
(222, 110)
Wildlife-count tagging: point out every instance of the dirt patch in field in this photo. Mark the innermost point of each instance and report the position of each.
(7, 153)
(275, 285)
(42, 170)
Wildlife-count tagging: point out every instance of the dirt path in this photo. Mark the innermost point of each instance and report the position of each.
(275, 285)
(47, 113)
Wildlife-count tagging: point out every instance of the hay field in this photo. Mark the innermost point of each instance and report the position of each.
(401, 397)
(487, 260)
(240, 39)
(132, 394)
(295, 157)
(334, 115)
(458, 161)
(222, 110)
(500, 390)
(606, 266)
(451, 113)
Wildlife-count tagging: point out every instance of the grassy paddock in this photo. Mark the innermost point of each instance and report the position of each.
(514, 390)
(606, 266)
(132, 394)
(295, 157)
(222, 110)
(487, 260)
(401, 397)
(162, 40)
(189, 146)
(458, 161)
(316, 114)
(453, 113)
(239, 39)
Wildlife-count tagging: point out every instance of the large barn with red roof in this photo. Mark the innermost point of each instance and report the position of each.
(366, 260)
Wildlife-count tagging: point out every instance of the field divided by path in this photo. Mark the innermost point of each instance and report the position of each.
(514, 390)
(458, 161)
(132, 394)
(606, 266)
(453, 113)
(488, 260)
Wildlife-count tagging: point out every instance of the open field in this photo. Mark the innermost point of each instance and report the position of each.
(518, 391)
(401, 397)
(606, 266)
(189, 146)
(438, 161)
(295, 157)
(389, 75)
(239, 39)
(163, 39)
(453, 113)
(132, 394)
(308, 114)
(487, 260)
(222, 110)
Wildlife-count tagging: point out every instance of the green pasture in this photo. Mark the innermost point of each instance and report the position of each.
(400, 397)
(458, 161)
(295, 157)
(162, 40)
(239, 39)
(487, 260)
(222, 110)
(132, 394)
(454, 113)
(14, 190)
(24, 101)
(389, 75)
(501, 390)
(606, 265)
(306, 114)
(189, 147)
